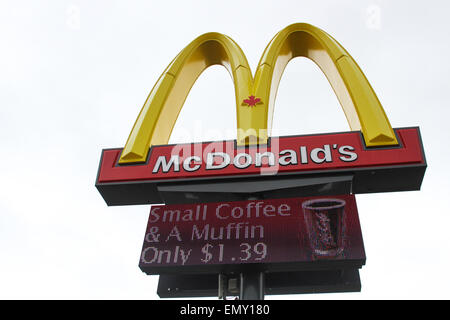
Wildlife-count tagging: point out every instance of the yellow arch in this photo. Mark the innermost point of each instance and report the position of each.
(160, 111)
(358, 100)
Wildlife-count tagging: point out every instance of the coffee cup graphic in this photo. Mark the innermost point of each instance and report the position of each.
(325, 223)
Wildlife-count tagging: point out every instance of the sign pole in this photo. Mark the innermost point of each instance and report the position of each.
(252, 286)
(252, 283)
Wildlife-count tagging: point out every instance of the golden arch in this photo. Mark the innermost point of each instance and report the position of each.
(160, 111)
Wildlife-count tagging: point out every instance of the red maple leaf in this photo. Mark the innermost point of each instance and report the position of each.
(252, 101)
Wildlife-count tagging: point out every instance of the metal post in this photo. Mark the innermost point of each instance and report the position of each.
(252, 283)
(223, 286)
(252, 286)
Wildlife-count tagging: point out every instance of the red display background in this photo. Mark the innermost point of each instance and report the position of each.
(286, 237)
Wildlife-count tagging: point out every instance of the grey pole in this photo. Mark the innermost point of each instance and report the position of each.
(252, 283)
(252, 286)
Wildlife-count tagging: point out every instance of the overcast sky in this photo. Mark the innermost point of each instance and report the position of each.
(74, 75)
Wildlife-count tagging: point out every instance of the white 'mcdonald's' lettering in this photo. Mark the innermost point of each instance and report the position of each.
(220, 160)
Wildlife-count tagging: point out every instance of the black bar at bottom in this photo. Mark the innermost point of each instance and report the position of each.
(323, 281)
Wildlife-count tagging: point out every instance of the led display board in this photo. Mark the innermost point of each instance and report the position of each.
(268, 235)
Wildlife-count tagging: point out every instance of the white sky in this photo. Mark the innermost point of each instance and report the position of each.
(74, 75)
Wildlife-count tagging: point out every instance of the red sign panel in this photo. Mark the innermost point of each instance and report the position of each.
(273, 235)
(284, 154)
(306, 155)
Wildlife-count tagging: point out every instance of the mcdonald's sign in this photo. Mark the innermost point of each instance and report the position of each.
(372, 157)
